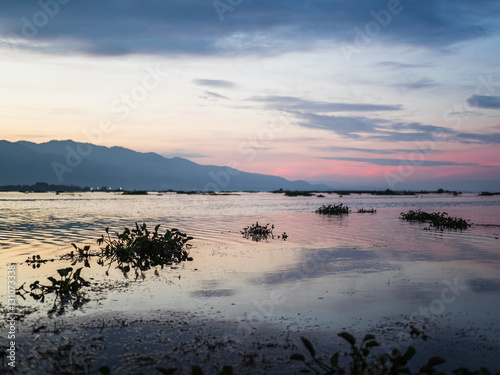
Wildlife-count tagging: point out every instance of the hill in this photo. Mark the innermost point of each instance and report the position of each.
(84, 164)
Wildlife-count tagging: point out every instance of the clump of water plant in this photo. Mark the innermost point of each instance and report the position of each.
(135, 192)
(257, 232)
(142, 249)
(333, 209)
(437, 220)
(81, 255)
(36, 261)
(366, 211)
(363, 359)
(67, 288)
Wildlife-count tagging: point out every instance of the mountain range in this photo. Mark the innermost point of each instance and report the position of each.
(84, 164)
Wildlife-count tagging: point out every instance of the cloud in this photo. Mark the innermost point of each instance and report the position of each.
(186, 155)
(194, 27)
(373, 150)
(215, 83)
(419, 84)
(399, 65)
(214, 95)
(364, 128)
(484, 101)
(297, 104)
(386, 162)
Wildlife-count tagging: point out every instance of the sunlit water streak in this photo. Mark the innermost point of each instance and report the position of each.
(333, 272)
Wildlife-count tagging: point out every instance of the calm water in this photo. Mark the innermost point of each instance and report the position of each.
(357, 271)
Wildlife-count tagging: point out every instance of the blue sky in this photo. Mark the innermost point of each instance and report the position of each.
(390, 94)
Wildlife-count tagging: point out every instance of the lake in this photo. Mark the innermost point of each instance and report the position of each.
(356, 272)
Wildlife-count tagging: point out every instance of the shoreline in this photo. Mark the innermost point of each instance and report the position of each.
(133, 343)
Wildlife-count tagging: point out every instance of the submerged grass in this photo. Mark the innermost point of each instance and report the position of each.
(438, 220)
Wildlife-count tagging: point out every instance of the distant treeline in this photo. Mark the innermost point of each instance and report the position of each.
(294, 193)
(43, 187)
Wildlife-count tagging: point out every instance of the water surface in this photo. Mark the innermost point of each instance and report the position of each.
(358, 271)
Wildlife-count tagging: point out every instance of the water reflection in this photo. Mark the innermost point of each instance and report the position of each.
(484, 286)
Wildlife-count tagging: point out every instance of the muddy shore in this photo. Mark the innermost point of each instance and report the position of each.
(134, 344)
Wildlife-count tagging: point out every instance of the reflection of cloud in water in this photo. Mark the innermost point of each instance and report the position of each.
(213, 293)
(322, 262)
(484, 286)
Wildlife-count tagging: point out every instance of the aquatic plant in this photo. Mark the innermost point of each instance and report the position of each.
(296, 193)
(141, 249)
(363, 359)
(366, 211)
(81, 255)
(135, 192)
(335, 209)
(67, 288)
(258, 232)
(487, 194)
(36, 261)
(438, 220)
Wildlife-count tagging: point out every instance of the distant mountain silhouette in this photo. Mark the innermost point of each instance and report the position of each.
(84, 164)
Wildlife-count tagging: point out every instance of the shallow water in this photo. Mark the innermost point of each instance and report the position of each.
(351, 272)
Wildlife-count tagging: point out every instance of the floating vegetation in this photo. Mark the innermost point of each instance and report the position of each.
(66, 289)
(141, 249)
(333, 209)
(438, 220)
(36, 261)
(487, 194)
(82, 255)
(366, 211)
(296, 193)
(364, 359)
(258, 232)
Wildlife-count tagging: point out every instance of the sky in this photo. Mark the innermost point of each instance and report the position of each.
(359, 94)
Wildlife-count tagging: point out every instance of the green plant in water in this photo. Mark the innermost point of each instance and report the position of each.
(81, 255)
(66, 288)
(141, 249)
(258, 232)
(367, 211)
(438, 220)
(363, 359)
(333, 209)
(36, 261)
